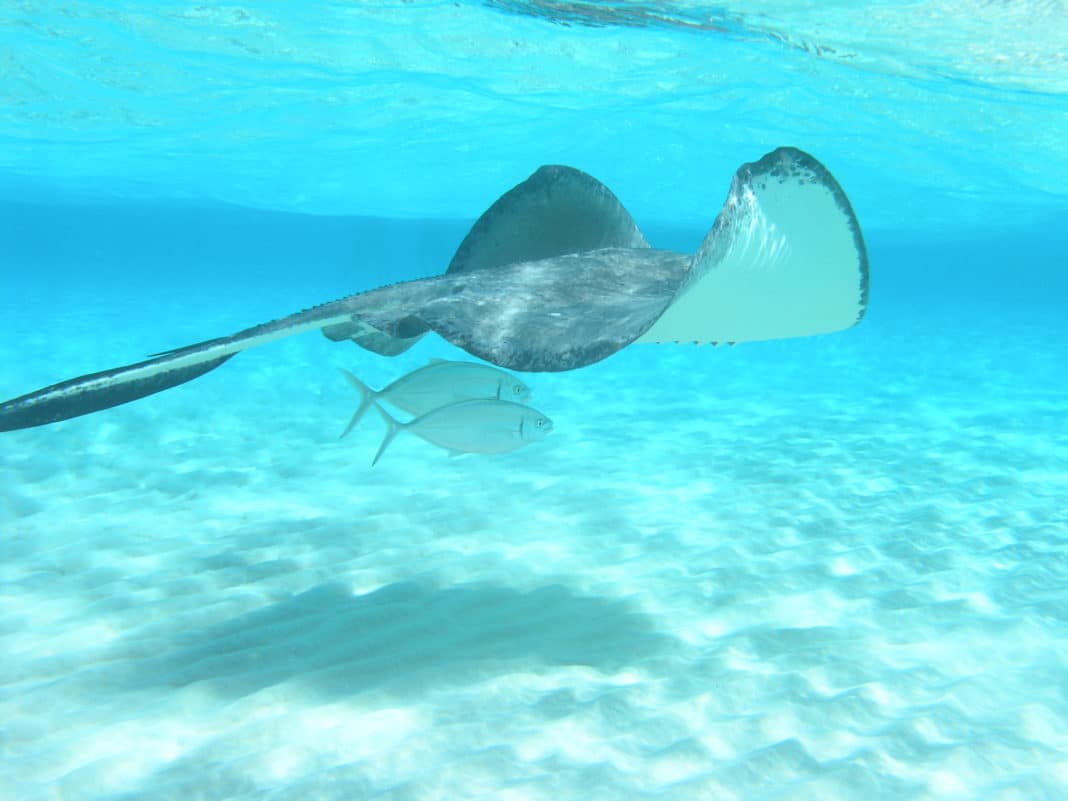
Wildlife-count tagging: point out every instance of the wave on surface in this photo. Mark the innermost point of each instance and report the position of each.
(1008, 45)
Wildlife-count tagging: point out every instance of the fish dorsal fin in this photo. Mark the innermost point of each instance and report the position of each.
(555, 212)
(785, 258)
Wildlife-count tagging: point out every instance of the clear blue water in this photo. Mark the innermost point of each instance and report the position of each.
(814, 568)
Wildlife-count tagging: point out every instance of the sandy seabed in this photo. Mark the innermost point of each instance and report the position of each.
(831, 568)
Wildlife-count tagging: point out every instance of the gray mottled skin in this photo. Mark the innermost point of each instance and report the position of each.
(549, 315)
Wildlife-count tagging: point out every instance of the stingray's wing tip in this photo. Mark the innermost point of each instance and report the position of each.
(785, 258)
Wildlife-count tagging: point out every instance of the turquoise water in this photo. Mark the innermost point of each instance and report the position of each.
(827, 567)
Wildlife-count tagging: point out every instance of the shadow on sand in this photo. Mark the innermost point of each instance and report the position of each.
(402, 637)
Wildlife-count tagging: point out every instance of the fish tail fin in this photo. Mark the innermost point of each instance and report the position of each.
(393, 428)
(367, 397)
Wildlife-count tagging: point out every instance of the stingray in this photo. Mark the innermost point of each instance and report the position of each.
(555, 276)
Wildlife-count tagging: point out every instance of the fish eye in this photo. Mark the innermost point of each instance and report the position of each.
(517, 389)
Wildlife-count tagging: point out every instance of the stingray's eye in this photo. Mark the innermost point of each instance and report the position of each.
(517, 389)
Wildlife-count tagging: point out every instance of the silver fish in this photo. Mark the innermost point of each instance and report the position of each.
(438, 384)
(472, 426)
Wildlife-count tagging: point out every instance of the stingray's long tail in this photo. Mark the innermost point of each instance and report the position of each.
(96, 391)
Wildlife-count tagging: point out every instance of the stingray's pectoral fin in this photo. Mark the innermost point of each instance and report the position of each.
(558, 210)
(785, 258)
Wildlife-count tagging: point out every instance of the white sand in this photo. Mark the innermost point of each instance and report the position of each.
(823, 569)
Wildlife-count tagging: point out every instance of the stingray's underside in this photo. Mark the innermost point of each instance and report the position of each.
(556, 276)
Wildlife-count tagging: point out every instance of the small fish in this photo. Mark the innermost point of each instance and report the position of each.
(438, 384)
(472, 426)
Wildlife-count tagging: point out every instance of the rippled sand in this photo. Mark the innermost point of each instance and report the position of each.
(820, 569)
